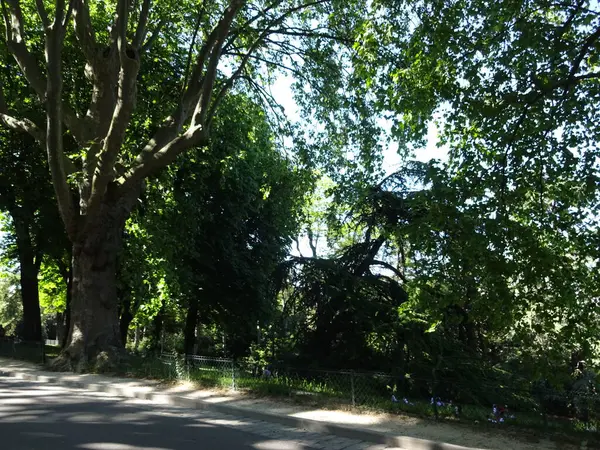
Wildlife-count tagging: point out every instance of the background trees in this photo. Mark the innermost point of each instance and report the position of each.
(481, 267)
(218, 227)
(109, 44)
(35, 230)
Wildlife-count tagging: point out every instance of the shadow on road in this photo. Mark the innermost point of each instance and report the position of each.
(35, 416)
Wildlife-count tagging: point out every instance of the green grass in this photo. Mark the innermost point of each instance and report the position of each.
(326, 389)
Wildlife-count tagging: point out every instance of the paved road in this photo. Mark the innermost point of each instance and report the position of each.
(38, 416)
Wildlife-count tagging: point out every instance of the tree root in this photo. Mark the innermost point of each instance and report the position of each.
(107, 360)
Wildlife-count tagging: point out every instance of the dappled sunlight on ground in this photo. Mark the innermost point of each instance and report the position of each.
(338, 417)
(487, 438)
(277, 445)
(34, 416)
(220, 399)
(25, 405)
(190, 390)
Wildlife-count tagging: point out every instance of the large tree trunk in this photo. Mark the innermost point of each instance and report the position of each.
(63, 342)
(64, 319)
(29, 266)
(61, 329)
(32, 323)
(94, 333)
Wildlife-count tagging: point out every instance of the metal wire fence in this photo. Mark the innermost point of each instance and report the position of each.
(530, 404)
(578, 409)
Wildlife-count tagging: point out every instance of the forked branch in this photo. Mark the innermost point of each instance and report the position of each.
(222, 30)
(129, 67)
(54, 133)
(142, 27)
(84, 31)
(24, 124)
(173, 124)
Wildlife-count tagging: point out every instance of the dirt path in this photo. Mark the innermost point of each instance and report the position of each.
(482, 436)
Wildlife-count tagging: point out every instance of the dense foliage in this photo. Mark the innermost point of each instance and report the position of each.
(182, 186)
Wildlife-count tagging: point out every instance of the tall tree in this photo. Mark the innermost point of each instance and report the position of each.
(241, 213)
(214, 227)
(226, 43)
(524, 154)
(35, 232)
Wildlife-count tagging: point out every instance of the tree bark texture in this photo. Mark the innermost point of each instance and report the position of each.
(94, 329)
(63, 318)
(61, 329)
(67, 313)
(107, 195)
(29, 267)
(32, 323)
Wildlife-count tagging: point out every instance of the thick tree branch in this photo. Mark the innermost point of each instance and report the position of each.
(192, 92)
(200, 88)
(68, 14)
(148, 44)
(587, 76)
(54, 133)
(297, 241)
(190, 53)
(121, 115)
(42, 13)
(30, 127)
(201, 111)
(15, 37)
(173, 124)
(84, 31)
(26, 125)
(399, 274)
(194, 136)
(589, 42)
(116, 134)
(312, 242)
(121, 28)
(142, 27)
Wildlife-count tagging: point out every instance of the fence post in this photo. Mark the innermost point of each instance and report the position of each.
(352, 387)
(233, 374)
(435, 387)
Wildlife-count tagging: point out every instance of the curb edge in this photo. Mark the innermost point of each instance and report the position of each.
(294, 422)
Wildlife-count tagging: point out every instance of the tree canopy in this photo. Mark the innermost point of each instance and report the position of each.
(182, 185)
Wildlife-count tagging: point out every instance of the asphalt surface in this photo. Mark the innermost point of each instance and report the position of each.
(47, 417)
